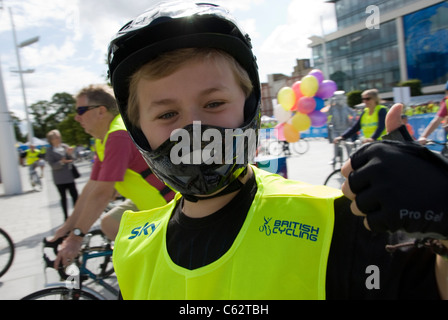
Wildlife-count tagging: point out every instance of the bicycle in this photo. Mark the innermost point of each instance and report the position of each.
(75, 275)
(277, 148)
(7, 252)
(335, 179)
(35, 180)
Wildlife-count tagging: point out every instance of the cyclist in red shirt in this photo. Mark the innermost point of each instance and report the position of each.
(441, 114)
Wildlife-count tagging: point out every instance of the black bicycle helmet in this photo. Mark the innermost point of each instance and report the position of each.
(167, 27)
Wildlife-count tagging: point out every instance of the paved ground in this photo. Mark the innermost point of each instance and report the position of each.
(31, 216)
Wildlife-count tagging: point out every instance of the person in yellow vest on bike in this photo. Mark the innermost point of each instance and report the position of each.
(372, 120)
(32, 155)
(186, 82)
(34, 159)
(118, 166)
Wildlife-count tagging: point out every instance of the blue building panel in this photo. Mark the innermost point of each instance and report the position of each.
(426, 42)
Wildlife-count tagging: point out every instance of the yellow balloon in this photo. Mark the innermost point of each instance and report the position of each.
(286, 98)
(309, 86)
(301, 122)
(290, 133)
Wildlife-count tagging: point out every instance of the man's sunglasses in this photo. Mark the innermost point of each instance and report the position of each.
(366, 99)
(81, 110)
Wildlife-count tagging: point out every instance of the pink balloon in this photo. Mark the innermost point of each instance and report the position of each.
(296, 88)
(278, 131)
(306, 105)
(318, 74)
(326, 89)
(318, 119)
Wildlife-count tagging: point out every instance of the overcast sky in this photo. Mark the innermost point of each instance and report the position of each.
(74, 36)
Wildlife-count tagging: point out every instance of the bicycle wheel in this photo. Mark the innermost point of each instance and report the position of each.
(36, 181)
(275, 148)
(300, 147)
(6, 252)
(335, 179)
(60, 293)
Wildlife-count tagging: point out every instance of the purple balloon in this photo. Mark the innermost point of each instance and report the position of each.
(318, 74)
(318, 119)
(326, 89)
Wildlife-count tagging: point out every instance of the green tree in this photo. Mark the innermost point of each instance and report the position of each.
(354, 98)
(415, 86)
(72, 132)
(49, 114)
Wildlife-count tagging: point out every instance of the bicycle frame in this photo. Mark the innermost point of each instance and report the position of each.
(97, 279)
(77, 273)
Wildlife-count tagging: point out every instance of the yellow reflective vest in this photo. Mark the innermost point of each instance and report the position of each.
(369, 122)
(280, 252)
(31, 156)
(133, 186)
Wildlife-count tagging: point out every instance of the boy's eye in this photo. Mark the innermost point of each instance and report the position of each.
(214, 104)
(167, 115)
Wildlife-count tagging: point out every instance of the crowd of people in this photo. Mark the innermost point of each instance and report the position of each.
(431, 107)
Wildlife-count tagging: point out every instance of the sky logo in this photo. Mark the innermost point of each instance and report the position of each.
(146, 230)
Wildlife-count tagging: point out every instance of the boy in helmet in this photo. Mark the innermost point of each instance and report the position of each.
(187, 86)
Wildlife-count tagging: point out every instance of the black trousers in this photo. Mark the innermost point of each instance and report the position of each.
(62, 188)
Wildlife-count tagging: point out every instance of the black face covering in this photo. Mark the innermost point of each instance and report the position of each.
(203, 159)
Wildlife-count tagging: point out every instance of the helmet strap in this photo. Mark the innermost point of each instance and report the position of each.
(235, 185)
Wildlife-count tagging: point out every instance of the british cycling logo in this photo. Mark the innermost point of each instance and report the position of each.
(289, 228)
(146, 230)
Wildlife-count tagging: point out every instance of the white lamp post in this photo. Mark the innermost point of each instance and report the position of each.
(9, 164)
(20, 72)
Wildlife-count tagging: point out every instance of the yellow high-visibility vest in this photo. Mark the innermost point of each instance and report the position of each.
(31, 156)
(133, 186)
(369, 122)
(280, 252)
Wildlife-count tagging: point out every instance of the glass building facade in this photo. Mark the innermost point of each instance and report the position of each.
(426, 34)
(370, 58)
(362, 60)
(350, 12)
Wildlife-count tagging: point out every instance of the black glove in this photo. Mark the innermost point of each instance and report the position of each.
(401, 186)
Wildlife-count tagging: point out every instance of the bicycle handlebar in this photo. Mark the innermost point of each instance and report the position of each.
(53, 244)
(50, 263)
(429, 141)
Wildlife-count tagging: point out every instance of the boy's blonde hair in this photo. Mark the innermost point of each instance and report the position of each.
(168, 63)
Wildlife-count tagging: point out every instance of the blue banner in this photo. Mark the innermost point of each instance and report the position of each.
(313, 132)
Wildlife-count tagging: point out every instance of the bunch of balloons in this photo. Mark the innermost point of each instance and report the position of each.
(299, 106)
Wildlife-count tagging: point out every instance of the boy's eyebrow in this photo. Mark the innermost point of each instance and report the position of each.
(169, 101)
(213, 90)
(163, 102)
